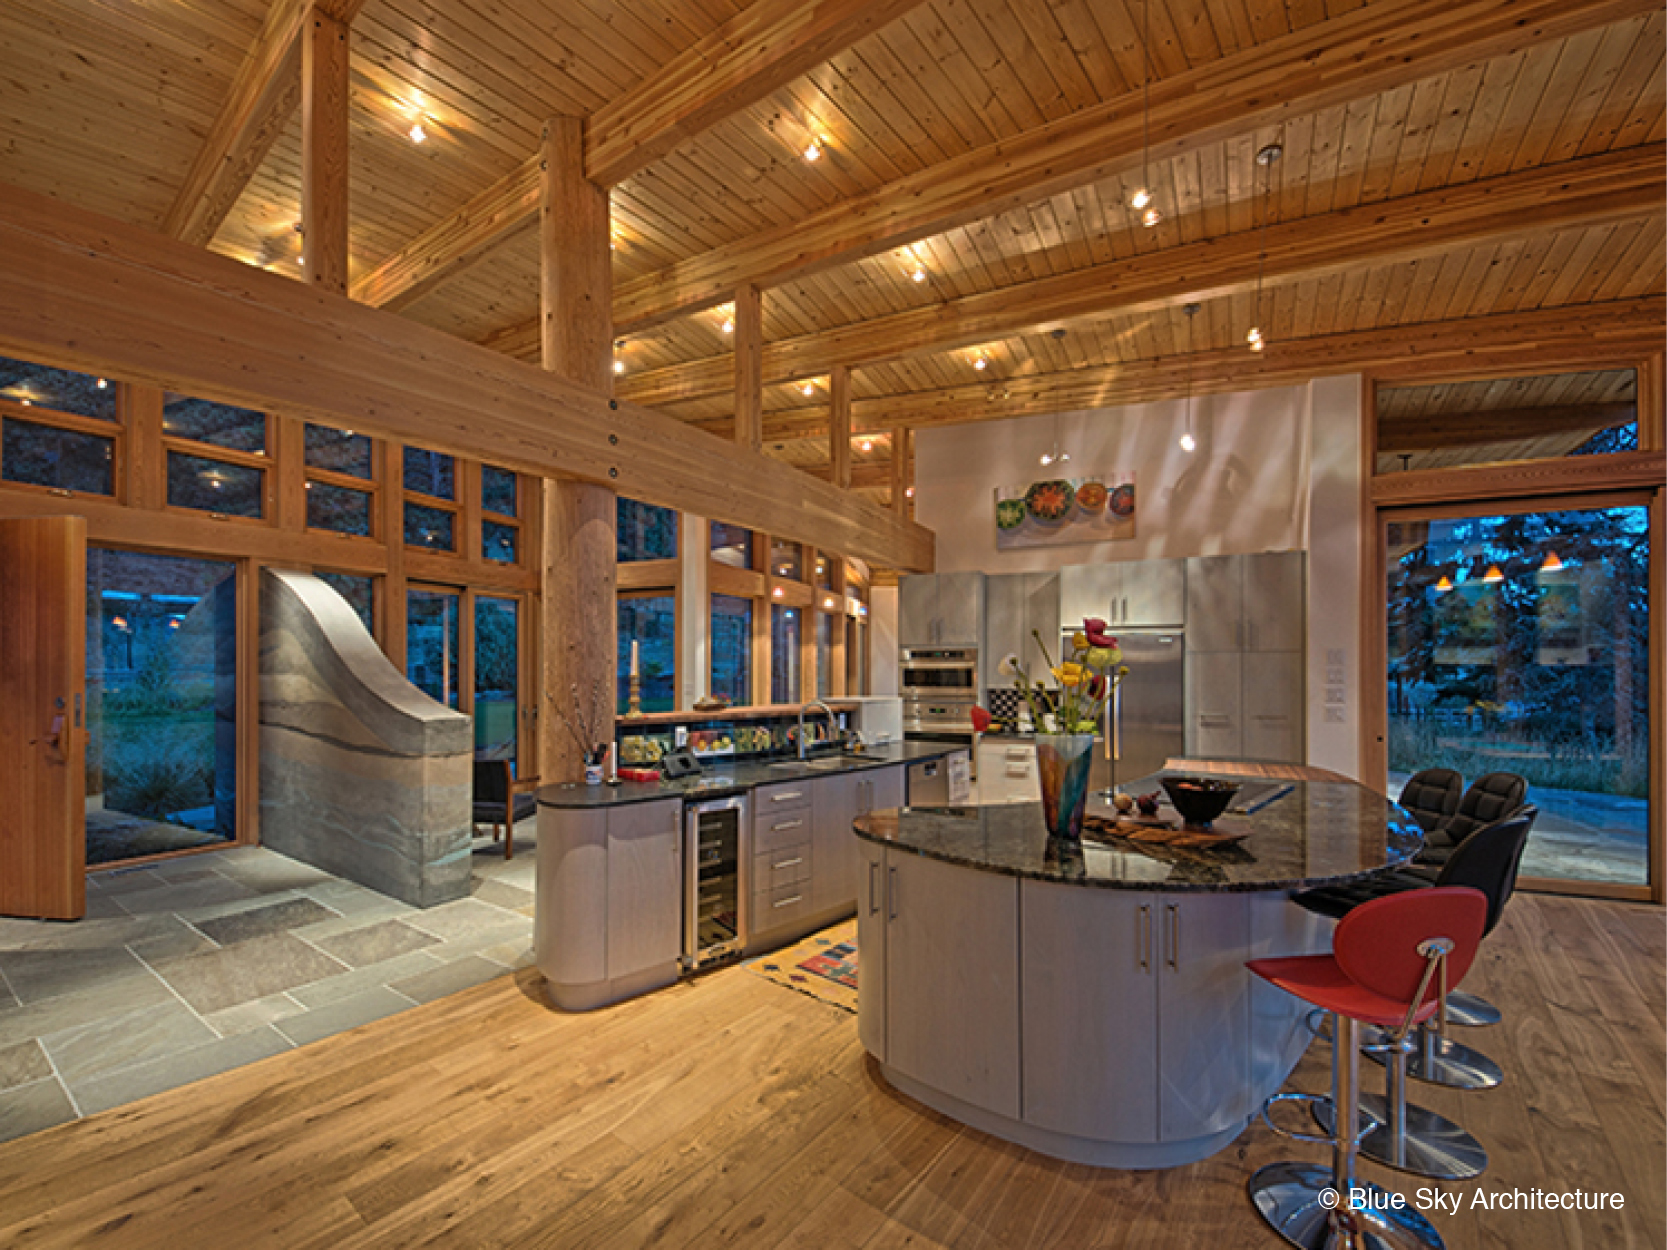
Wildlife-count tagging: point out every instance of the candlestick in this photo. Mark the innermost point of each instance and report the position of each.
(634, 670)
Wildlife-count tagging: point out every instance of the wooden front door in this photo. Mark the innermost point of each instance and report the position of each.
(43, 840)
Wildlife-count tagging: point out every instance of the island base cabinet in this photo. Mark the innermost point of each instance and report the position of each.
(1089, 957)
(952, 980)
(871, 950)
(1203, 1015)
(1279, 1031)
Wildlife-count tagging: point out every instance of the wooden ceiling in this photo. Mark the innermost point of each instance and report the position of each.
(1449, 168)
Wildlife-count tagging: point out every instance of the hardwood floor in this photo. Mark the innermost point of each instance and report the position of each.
(735, 1112)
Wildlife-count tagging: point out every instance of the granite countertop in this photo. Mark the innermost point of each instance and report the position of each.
(720, 777)
(1319, 833)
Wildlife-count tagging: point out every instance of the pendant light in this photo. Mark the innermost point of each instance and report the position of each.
(1141, 200)
(1265, 157)
(1189, 444)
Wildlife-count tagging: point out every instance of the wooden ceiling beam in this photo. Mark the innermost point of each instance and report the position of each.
(504, 211)
(1548, 340)
(82, 291)
(263, 98)
(1613, 186)
(1351, 57)
(752, 55)
(759, 50)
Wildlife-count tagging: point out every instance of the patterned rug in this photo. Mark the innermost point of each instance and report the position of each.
(823, 966)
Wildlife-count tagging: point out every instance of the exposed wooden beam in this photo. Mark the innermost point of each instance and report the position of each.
(501, 213)
(324, 189)
(263, 97)
(748, 343)
(1431, 430)
(575, 272)
(1351, 57)
(1548, 340)
(759, 50)
(839, 425)
(1613, 186)
(902, 439)
(83, 291)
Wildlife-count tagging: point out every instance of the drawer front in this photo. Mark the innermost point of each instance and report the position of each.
(788, 866)
(783, 905)
(773, 831)
(771, 801)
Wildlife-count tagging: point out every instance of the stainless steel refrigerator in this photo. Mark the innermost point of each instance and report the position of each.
(1146, 721)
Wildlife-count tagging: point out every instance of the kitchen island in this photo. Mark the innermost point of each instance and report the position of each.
(1090, 1000)
(614, 912)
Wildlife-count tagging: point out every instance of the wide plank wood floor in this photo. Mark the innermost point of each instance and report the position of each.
(736, 1113)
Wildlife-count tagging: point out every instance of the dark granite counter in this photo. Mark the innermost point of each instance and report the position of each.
(1317, 834)
(722, 777)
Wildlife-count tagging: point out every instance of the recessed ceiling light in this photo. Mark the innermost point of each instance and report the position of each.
(813, 151)
(919, 275)
(865, 446)
(981, 364)
(808, 389)
(619, 366)
(417, 134)
(729, 326)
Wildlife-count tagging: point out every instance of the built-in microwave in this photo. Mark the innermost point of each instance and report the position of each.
(939, 673)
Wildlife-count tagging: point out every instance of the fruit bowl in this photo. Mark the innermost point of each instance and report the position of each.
(1199, 800)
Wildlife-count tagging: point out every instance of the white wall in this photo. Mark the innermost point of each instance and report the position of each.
(1275, 470)
(882, 640)
(1243, 490)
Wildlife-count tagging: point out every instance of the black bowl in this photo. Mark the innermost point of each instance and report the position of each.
(1199, 799)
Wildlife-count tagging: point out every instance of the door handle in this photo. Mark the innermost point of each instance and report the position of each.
(1174, 936)
(891, 893)
(54, 734)
(1143, 937)
(873, 903)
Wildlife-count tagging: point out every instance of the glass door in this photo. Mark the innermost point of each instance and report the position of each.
(1518, 641)
(497, 676)
(433, 643)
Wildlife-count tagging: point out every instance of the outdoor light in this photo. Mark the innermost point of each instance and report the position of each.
(1493, 574)
(1552, 563)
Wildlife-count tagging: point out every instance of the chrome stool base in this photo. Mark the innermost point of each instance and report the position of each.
(1471, 1010)
(1288, 1196)
(1442, 1061)
(1431, 1145)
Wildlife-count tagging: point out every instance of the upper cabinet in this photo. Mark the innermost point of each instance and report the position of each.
(941, 610)
(1014, 605)
(1139, 593)
(1246, 603)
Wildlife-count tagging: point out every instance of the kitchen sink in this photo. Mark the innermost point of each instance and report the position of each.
(822, 763)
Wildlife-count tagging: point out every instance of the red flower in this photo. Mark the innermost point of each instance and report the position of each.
(1095, 628)
(1097, 686)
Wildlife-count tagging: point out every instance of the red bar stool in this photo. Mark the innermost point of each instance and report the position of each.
(1390, 960)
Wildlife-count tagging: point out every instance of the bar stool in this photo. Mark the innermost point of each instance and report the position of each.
(1431, 797)
(1390, 958)
(1487, 860)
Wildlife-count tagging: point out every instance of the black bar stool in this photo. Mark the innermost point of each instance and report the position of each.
(1390, 959)
(1431, 797)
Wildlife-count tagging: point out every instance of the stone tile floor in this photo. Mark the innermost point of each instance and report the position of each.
(200, 964)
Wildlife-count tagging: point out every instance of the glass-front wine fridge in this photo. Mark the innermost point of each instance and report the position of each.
(714, 885)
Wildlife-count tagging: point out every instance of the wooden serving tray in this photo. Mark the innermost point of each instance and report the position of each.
(1157, 831)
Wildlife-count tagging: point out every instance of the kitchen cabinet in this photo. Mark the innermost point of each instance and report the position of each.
(941, 610)
(871, 948)
(1007, 771)
(1245, 663)
(645, 886)
(952, 965)
(836, 802)
(1131, 593)
(1203, 1016)
(1014, 605)
(1246, 602)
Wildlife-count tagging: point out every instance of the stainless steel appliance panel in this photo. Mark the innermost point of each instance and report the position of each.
(939, 672)
(715, 879)
(1146, 722)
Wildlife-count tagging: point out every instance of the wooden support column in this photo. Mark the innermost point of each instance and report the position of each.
(749, 367)
(900, 450)
(579, 570)
(839, 425)
(324, 104)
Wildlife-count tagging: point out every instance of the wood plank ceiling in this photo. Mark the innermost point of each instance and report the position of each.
(1553, 115)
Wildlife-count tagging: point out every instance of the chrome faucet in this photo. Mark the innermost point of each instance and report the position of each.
(833, 726)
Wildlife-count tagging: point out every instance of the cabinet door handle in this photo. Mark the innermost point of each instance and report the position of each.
(789, 796)
(786, 824)
(788, 902)
(1143, 937)
(1174, 936)
(873, 900)
(788, 863)
(891, 892)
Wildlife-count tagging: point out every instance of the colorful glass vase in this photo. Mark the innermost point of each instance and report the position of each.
(1062, 761)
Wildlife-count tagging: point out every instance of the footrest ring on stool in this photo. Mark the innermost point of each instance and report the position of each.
(1310, 1100)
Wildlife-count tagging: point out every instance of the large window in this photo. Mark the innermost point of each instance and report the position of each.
(646, 532)
(432, 642)
(732, 648)
(1518, 642)
(57, 429)
(161, 704)
(648, 619)
(786, 636)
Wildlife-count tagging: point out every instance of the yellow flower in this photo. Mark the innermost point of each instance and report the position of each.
(1070, 674)
(1079, 640)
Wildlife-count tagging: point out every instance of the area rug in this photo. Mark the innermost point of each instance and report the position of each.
(823, 966)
